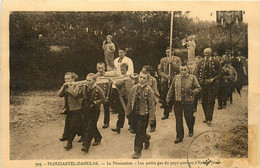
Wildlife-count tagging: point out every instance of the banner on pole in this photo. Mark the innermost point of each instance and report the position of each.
(229, 17)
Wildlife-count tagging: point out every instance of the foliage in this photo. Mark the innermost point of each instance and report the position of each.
(79, 36)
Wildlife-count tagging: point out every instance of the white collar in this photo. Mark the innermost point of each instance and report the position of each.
(142, 86)
(185, 76)
(93, 86)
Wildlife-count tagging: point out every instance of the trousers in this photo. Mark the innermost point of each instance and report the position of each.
(106, 113)
(187, 109)
(208, 94)
(121, 114)
(164, 92)
(74, 124)
(141, 136)
(92, 131)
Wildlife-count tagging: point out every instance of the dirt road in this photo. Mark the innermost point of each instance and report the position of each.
(36, 125)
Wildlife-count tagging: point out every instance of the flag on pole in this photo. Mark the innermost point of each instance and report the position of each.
(229, 17)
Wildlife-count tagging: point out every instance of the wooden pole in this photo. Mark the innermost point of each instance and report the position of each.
(169, 81)
(230, 39)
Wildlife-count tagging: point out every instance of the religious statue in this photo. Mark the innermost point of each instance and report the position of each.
(191, 45)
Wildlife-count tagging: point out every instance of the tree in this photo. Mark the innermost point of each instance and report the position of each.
(45, 45)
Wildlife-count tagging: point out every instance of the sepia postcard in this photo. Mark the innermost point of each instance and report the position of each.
(130, 84)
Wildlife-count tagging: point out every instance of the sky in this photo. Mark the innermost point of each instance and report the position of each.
(203, 15)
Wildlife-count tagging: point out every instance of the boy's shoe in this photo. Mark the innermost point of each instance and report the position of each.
(164, 118)
(116, 130)
(191, 134)
(147, 144)
(105, 126)
(63, 139)
(178, 140)
(132, 131)
(136, 155)
(96, 143)
(152, 129)
(68, 147)
(85, 149)
(209, 123)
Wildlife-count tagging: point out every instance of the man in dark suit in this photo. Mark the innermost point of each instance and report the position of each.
(208, 72)
(169, 67)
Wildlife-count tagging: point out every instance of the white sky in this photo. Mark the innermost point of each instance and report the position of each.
(203, 15)
(206, 15)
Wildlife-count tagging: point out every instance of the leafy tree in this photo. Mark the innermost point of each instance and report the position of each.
(45, 45)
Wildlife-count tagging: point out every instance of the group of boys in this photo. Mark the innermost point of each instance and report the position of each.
(234, 76)
(204, 79)
(82, 104)
(134, 101)
(137, 100)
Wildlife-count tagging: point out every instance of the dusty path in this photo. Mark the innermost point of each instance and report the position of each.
(36, 125)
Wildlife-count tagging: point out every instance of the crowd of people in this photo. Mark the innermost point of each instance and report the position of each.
(182, 85)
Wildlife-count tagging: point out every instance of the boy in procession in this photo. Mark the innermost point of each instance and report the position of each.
(152, 82)
(73, 122)
(181, 93)
(93, 97)
(238, 62)
(226, 85)
(124, 87)
(141, 107)
(106, 88)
